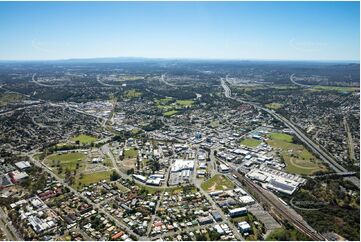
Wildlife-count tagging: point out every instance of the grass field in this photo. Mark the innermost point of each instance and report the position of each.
(170, 113)
(84, 139)
(136, 131)
(217, 182)
(132, 93)
(251, 142)
(93, 178)
(336, 88)
(281, 137)
(185, 103)
(67, 161)
(274, 105)
(164, 101)
(286, 235)
(6, 98)
(297, 158)
(130, 153)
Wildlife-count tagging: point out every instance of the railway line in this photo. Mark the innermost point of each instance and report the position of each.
(280, 208)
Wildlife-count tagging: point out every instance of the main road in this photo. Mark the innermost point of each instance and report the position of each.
(96, 206)
(324, 155)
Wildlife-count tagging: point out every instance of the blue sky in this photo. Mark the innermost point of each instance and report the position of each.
(219, 30)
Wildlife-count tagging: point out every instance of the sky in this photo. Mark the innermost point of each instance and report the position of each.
(206, 30)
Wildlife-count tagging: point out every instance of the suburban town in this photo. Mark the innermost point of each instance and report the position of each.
(141, 165)
(180, 121)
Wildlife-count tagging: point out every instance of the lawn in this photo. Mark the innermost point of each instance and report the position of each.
(185, 103)
(297, 158)
(170, 113)
(84, 139)
(251, 142)
(93, 178)
(217, 182)
(274, 105)
(130, 153)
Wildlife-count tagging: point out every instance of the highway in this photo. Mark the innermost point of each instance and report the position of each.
(296, 83)
(324, 155)
(42, 84)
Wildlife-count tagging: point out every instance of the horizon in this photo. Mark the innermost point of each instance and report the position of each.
(285, 31)
(139, 58)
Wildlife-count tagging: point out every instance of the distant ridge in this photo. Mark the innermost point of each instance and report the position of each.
(149, 59)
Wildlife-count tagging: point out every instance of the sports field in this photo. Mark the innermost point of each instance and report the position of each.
(84, 139)
(281, 137)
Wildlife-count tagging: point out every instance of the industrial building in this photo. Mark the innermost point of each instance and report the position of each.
(237, 212)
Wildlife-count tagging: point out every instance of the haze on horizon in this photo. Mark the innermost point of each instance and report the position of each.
(206, 30)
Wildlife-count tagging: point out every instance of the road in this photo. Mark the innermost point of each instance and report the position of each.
(292, 79)
(227, 90)
(7, 227)
(162, 79)
(95, 206)
(224, 217)
(42, 84)
(183, 230)
(106, 84)
(324, 155)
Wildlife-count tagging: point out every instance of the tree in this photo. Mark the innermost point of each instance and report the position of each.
(114, 176)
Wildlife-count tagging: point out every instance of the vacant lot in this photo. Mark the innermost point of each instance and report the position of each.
(274, 105)
(297, 158)
(251, 142)
(84, 139)
(91, 178)
(217, 182)
(6, 98)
